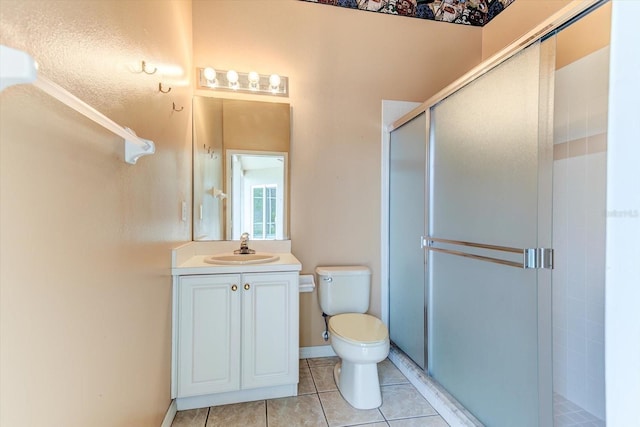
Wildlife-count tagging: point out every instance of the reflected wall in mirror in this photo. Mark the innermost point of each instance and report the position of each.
(240, 169)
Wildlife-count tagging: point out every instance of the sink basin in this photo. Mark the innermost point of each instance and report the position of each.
(233, 259)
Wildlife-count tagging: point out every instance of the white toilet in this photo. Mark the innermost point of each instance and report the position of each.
(360, 340)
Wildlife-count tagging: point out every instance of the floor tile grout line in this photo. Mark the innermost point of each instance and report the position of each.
(382, 415)
(326, 420)
(366, 423)
(414, 417)
(313, 379)
(266, 413)
(206, 419)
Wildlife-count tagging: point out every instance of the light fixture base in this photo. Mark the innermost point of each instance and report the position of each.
(244, 83)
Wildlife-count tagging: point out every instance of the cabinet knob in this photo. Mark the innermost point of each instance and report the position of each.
(234, 288)
(246, 286)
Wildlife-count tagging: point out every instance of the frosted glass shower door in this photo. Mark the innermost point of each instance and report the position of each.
(407, 224)
(490, 166)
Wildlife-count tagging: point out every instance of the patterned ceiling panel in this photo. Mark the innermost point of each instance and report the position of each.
(467, 12)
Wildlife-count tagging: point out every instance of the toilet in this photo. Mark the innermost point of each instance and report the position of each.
(360, 340)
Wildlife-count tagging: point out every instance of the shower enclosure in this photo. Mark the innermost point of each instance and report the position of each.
(407, 213)
(471, 181)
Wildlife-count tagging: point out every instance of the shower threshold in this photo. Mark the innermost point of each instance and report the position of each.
(446, 405)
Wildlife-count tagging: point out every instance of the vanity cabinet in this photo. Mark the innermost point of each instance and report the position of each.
(237, 337)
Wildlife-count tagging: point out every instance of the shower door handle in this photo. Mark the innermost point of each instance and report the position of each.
(532, 258)
(538, 258)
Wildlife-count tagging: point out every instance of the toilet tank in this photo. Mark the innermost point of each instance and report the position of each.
(344, 289)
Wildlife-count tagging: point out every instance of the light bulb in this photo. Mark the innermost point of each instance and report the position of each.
(274, 81)
(232, 77)
(210, 74)
(254, 79)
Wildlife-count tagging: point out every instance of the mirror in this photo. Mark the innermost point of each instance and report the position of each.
(240, 169)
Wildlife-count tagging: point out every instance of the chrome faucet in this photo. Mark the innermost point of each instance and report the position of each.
(244, 245)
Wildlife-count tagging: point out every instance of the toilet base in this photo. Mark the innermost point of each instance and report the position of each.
(358, 384)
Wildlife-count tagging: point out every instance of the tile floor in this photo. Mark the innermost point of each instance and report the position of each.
(568, 414)
(319, 403)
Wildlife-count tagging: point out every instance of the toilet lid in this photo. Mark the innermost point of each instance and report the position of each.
(360, 328)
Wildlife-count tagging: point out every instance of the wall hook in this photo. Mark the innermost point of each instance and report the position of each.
(161, 90)
(144, 68)
(175, 109)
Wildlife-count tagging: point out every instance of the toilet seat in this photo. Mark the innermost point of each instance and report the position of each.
(360, 329)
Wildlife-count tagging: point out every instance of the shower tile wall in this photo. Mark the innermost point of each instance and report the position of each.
(579, 231)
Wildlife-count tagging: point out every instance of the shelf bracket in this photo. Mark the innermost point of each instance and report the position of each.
(16, 67)
(133, 150)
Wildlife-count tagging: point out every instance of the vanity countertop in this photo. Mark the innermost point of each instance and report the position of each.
(189, 258)
(197, 265)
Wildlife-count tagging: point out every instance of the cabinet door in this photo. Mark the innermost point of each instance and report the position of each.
(208, 334)
(269, 329)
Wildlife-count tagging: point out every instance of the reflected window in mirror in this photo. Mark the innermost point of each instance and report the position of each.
(263, 209)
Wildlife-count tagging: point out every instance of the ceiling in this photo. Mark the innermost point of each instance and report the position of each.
(252, 162)
(465, 12)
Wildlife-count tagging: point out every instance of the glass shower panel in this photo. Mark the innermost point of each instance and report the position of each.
(407, 224)
(487, 142)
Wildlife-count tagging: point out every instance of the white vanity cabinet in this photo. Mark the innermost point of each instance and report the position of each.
(237, 337)
(209, 326)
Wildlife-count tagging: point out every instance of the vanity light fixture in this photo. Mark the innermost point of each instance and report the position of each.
(236, 81)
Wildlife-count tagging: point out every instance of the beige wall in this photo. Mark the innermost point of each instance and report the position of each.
(84, 242)
(341, 64)
(519, 18)
(591, 33)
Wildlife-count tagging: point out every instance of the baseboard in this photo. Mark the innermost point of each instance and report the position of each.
(171, 414)
(316, 351)
(237, 396)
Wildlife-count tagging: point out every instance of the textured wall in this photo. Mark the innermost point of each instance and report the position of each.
(84, 242)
